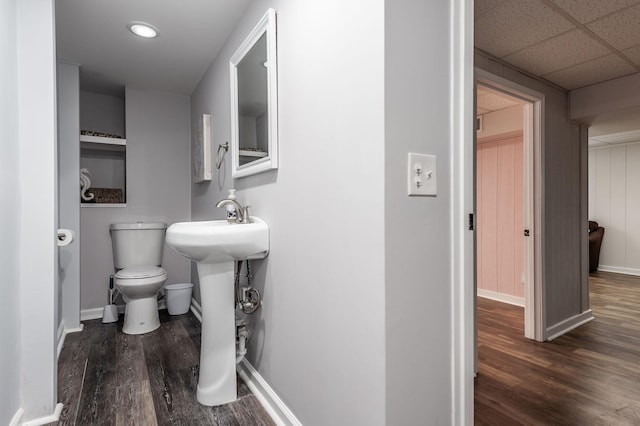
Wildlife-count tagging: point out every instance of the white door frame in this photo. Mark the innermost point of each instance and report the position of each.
(532, 142)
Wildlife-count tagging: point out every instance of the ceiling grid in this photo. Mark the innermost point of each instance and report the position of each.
(571, 43)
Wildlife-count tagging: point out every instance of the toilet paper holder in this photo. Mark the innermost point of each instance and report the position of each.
(65, 237)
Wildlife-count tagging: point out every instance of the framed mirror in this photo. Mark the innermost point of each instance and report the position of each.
(254, 101)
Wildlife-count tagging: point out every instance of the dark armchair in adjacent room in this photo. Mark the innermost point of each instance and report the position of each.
(596, 233)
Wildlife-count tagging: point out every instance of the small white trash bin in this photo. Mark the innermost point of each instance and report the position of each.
(178, 298)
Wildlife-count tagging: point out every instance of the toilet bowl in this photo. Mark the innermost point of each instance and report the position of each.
(140, 286)
(137, 255)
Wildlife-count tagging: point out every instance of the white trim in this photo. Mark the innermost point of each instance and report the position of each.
(500, 297)
(530, 113)
(65, 331)
(91, 314)
(279, 412)
(54, 417)
(619, 270)
(17, 418)
(569, 324)
(462, 130)
(196, 309)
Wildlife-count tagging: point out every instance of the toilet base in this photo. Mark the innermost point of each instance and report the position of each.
(141, 315)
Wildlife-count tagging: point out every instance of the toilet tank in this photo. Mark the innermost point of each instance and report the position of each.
(137, 244)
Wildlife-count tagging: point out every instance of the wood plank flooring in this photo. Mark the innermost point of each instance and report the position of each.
(106, 377)
(590, 376)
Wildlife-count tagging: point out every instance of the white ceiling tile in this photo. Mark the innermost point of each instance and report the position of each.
(491, 100)
(595, 71)
(517, 24)
(588, 10)
(483, 6)
(633, 54)
(480, 111)
(559, 52)
(621, 30)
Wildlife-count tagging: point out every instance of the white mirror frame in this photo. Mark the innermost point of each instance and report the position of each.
(267, 25)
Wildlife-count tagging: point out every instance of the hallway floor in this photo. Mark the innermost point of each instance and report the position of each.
(106, 377)
(590, 376)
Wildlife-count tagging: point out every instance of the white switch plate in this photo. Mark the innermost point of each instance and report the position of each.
(421, 174)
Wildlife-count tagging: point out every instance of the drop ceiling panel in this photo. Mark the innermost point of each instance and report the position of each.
(559, 52)
(517, 24)
(621, 30)
(589, 10)
(633, 54)
(493, 102)
(489, 100)
(595, 71)
(484, 6)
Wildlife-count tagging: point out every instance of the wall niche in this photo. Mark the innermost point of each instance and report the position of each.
(103, 149)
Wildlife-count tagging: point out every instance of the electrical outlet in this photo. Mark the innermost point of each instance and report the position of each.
(421, 174)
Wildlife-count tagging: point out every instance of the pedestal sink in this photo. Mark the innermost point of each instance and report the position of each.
(215, 246)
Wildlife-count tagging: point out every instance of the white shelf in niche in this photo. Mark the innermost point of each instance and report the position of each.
(248, 153)
(102, 140)
(94, 205)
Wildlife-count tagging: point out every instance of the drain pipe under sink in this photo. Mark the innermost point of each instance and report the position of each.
(241, 350)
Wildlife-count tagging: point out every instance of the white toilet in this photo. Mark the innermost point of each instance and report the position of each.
(137, 255)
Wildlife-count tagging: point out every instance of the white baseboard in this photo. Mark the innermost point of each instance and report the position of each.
(62, 334)
(569, 324)
(47, 419)
(271, 402)
(90, 314)
(17, 418)
(619, 270)
(279, 412)
(500, 297)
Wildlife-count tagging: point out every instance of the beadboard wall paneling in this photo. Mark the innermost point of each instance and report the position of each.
(500, 220)
(614, 202)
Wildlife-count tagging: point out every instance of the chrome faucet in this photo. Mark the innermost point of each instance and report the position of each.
(242, 213)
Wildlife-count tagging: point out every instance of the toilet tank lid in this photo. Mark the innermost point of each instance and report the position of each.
(138, 225)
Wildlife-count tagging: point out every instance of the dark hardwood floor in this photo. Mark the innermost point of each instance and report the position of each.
(106, 377)
(590, 376)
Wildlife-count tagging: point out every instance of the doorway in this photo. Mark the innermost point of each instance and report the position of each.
(516, 225)
(500, 239)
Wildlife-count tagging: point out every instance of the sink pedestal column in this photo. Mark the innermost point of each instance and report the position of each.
(217, 382)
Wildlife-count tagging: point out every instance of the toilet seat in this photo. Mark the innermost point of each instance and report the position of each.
(140, 272)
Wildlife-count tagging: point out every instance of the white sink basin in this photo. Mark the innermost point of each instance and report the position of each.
(218, 241)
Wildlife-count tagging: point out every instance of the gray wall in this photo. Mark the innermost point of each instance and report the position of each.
(10, 319)
(417, 229)
(68, 193)
(564, 181)
(318, 340)
(158, 179)
(102, 113)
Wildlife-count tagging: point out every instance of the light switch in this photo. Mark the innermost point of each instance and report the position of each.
(422, 174)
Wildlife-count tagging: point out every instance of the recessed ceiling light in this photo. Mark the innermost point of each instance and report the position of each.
(142, 29)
